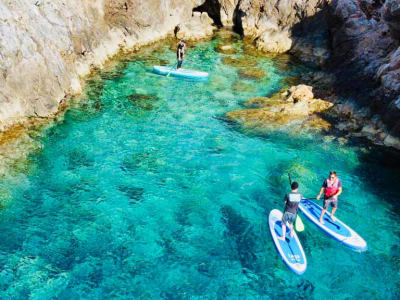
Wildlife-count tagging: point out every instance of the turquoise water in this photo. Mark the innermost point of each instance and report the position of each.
(144, 191)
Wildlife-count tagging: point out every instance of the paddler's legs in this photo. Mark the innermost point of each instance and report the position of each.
(179, 64)
(321, 218)
(283, 232)
(291, 230)
(332, 214)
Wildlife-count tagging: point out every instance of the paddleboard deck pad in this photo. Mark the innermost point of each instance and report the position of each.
(181, 73)
(290, 250)
(338, 230)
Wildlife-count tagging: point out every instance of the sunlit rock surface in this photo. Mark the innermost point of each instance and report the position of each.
(294, 106)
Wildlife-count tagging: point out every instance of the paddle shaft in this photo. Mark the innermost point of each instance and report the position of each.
(175, 65)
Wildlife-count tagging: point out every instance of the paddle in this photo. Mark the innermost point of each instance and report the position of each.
(172, 68)
(299, 225)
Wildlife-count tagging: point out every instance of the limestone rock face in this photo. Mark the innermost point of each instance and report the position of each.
(280, 26)
(46, 47)
(227, 11)
(294, 106)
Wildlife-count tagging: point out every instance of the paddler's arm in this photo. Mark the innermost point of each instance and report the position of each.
(320, 193)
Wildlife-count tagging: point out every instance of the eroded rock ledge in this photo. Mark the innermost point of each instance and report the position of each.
(295, 106)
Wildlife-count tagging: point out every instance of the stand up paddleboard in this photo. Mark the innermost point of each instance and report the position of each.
(338, 230)
(291, 250)
(181, 73)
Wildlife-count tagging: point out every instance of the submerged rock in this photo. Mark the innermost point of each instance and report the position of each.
(241, 86)
(291, 80)
(295, 106)
(251, 73)
(225, 49)
(240, 62)
(146, 102)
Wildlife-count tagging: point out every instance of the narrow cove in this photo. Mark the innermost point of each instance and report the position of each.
(145, 191)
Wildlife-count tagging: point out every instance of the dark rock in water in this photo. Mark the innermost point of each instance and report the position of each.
(78, 158)
(251, 73)
(246, 239)
(291, 81)
(133, 193)
(306, 289)
(146, 102)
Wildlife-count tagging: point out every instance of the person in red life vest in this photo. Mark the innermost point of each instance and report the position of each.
(332, 188)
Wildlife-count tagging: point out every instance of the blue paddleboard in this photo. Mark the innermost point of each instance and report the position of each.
(290, 250)
(338, 230)
(181, 73)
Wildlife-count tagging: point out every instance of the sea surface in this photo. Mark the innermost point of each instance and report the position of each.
(145, 191)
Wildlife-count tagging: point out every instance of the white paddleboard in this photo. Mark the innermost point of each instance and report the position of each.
(181, 73)
(338, 230)
(290, 250)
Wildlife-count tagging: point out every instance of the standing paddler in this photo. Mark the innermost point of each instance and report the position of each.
(292, 201)
(179, 53)
(332, 188)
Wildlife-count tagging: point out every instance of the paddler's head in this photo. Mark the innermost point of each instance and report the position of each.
(332, 175)
(294, 186)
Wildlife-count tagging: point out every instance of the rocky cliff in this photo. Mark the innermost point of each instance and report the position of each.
(46, 47)
(366, 55)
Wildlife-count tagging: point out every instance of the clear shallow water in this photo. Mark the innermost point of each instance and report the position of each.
(156, 196)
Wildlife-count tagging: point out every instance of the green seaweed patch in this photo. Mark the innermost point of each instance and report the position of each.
(241, 62)
(150, 60)
(251, 73)
(143, 101)
(144, 160)
(242, 86)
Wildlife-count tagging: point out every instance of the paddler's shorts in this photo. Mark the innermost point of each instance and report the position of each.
(288, 217)
(330, 201)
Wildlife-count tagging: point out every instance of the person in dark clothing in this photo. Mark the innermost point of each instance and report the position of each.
(179, 53)
(292, 201)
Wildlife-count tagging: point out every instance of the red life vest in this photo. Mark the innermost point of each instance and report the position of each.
(332, 187)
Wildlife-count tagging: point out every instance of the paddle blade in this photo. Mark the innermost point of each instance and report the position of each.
(299, 224)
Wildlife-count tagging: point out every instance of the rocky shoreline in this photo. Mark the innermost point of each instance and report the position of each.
(355, 43)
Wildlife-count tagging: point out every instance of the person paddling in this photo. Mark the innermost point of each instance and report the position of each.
(332, 188)
(292, 201)
(179, 53)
